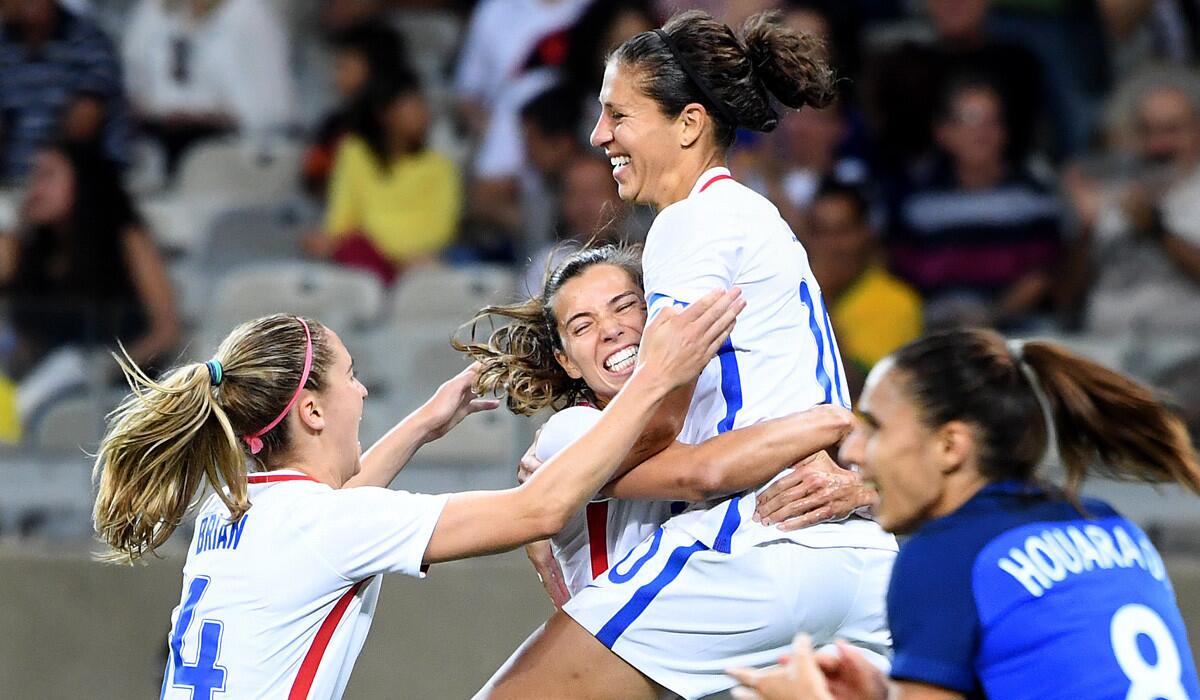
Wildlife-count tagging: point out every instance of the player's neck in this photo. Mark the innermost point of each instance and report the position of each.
(686, 177)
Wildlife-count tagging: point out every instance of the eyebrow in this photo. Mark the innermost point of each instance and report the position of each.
(621, 296)
(867, 418)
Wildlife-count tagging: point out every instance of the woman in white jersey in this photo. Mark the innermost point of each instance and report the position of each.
(713, 588)
(571, 348)
(282, 574)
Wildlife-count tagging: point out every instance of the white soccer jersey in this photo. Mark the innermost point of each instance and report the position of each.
(782, 356)
(603, 533)
(278, 604)
(605, 530)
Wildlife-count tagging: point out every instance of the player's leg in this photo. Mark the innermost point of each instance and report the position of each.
(563, 660)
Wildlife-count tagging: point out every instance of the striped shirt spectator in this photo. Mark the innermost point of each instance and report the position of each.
(59, 77)
(979, 238)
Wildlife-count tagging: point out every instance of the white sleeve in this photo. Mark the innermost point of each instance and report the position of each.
(366, 530)
(473, 73)
(255, 73)
(687, 256)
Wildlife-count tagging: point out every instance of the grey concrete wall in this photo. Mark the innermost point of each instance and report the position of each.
(72, 628)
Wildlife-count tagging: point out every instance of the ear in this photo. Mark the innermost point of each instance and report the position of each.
(954, 446)
(311, 412)
(692, 121)
(569, 367)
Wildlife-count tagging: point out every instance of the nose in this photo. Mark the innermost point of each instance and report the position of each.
(610, 328)
(362, 388)
(851, 451)
(601, 133)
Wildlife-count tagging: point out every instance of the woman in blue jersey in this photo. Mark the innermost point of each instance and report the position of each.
(1010, 587)
(574, 345)
(712, 587)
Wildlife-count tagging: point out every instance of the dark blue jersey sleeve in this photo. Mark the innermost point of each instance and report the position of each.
(932, 613)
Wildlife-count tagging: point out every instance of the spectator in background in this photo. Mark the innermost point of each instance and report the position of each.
(81, 269)
(197, 69)
(789, 164)
(979, 236)
(59, 78)
(590, 212)
(523, 204)
(603, 26)
(361, 54)
(873, 313)
(1139, 247)
(503, 37)
(393, 202)
(903, 84)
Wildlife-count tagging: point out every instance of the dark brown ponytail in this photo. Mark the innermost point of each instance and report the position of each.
(1103, 421)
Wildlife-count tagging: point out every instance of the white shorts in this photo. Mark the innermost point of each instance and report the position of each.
(682, 613)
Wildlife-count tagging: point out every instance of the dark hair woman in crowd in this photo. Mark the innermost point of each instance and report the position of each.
(82, 269)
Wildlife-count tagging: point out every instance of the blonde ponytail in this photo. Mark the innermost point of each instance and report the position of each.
(163, 440)
(170, 435)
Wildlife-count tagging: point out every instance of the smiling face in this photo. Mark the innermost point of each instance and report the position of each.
(601, 315)
(896, 453)
(642, 144)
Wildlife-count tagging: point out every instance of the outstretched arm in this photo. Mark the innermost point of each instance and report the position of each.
(449, 405)
(733, 461)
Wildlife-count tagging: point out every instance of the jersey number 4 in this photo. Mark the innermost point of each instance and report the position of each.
(204, 677)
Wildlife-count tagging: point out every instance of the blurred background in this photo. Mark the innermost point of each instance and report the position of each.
(171, 167)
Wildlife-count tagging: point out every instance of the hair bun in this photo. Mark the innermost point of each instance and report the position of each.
(790, 65)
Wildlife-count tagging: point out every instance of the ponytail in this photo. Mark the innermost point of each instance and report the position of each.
(163, 440)
(169, 436)
(1103, 421)
(1109, 424)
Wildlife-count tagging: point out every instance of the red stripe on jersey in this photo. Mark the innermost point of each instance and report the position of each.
(597, 525)
(312, 660)
(272, 478)
(716, 178)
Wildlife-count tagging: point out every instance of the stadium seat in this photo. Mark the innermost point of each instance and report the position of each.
(71, 423)
(251, 235)
(346, 300)
(179, 223)
(450, 294)
(241, 170)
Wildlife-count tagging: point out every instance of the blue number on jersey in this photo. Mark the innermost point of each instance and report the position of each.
(204, 677)
(823, 340)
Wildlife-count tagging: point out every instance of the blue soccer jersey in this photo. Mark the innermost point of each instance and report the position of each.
(1018, 595)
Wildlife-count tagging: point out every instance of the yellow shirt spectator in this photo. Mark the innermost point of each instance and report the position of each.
(875, 315)
(408, 208)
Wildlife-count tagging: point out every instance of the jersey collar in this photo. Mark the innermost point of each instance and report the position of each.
(277, 476)
(709, 177)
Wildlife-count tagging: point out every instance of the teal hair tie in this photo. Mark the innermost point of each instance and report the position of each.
(215, 372)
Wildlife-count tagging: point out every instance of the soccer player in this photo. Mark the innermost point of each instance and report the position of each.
(1010, 587)
(282, 575)
(713, 588)
(572, 348)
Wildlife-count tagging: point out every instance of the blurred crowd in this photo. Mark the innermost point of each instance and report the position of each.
(1032, 165)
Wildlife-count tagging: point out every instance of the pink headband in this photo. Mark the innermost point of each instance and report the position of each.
(255, 441)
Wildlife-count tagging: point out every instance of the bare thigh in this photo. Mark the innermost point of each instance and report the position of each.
(562, 660)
